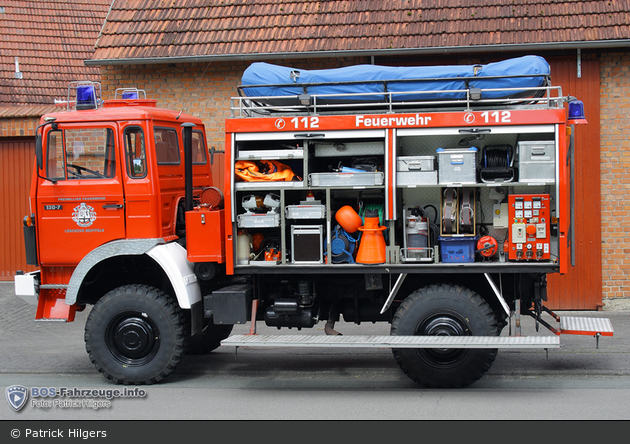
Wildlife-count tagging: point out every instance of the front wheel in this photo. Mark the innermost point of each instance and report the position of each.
(135, 334)
(444, 310)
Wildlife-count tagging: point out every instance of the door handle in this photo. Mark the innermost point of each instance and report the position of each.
(112, 206)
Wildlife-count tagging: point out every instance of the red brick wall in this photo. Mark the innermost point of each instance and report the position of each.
(615, 173)
(19, 126)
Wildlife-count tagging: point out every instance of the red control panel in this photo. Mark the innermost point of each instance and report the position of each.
(529, 226)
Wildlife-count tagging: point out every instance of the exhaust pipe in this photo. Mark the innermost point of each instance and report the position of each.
(188, 174)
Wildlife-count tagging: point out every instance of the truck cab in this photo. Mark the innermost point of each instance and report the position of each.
(107, 171)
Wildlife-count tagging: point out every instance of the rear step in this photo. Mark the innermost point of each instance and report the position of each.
(570, 325)
(357, 341)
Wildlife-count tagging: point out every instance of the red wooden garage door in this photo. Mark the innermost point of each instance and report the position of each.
(581, 287)
(16, 168)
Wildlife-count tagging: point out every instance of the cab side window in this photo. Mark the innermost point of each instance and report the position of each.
(135, 151)
(55, 167)
(166, 146)
(198, 148)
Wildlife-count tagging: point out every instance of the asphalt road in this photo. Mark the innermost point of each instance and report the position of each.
(575, 382)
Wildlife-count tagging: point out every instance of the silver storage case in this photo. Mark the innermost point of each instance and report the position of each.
(536, 161)
(305, 212)
(413, 178)
(271, 154)
(416, 163)
(457, 165)
(331, 149)
(366, 179)
(253, 220)
(416, 170)
(307, 244)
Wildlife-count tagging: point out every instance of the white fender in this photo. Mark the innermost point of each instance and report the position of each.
(172, 258)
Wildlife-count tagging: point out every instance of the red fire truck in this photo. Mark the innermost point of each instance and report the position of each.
(438, 213)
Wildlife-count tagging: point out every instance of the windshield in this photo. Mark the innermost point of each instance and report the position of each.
(81, 153)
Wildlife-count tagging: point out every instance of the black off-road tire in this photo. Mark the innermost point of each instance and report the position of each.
(444, 310)
(136, 334)
(209, 339)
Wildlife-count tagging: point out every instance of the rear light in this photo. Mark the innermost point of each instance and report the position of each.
(28, 221)
(212, 197)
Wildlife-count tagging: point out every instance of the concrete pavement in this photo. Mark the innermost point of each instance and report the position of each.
(33, 347)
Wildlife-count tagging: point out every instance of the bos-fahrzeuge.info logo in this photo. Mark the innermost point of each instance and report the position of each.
(17, 396)
(66, 397)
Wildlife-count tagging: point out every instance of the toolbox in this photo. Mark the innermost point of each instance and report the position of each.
(416, 170)
(366, 148)
(457, 165)
(307, 244)
(253, 220)
(346, 179)
(305, 211)
(413, 178)
(416, 163)
(457, 249)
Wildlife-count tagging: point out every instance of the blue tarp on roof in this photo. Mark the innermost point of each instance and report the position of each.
(263, 79)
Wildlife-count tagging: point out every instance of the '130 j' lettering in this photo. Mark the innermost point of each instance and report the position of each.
(496, 116)
(305, 122)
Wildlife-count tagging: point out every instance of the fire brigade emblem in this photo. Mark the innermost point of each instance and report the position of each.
(84, 215)
(17, 396)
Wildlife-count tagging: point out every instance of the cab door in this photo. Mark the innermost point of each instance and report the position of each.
(80, 202)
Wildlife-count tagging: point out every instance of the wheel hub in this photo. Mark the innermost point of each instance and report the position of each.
(133, 340)
(442, 325)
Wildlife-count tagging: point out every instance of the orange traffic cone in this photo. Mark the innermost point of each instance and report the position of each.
(372, 249)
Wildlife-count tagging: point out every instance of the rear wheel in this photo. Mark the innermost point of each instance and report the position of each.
(135, 334)
(443, 310)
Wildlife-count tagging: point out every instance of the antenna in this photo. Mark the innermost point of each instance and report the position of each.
(186, 103)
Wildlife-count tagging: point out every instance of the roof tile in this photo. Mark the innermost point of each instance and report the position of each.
(51, 39)
(241, 27)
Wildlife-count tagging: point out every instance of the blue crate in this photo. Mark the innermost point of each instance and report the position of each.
(457, 249)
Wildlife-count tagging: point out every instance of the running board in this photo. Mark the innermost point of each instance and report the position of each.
(357, 341)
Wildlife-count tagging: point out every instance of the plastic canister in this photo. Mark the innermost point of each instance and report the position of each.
(417, 233)
(243, 248)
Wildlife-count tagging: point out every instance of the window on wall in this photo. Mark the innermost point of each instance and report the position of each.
(81, 153)
(135, 152)
(166, 146)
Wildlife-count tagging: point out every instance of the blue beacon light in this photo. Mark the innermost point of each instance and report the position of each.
(576, 112)
(86, 97)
